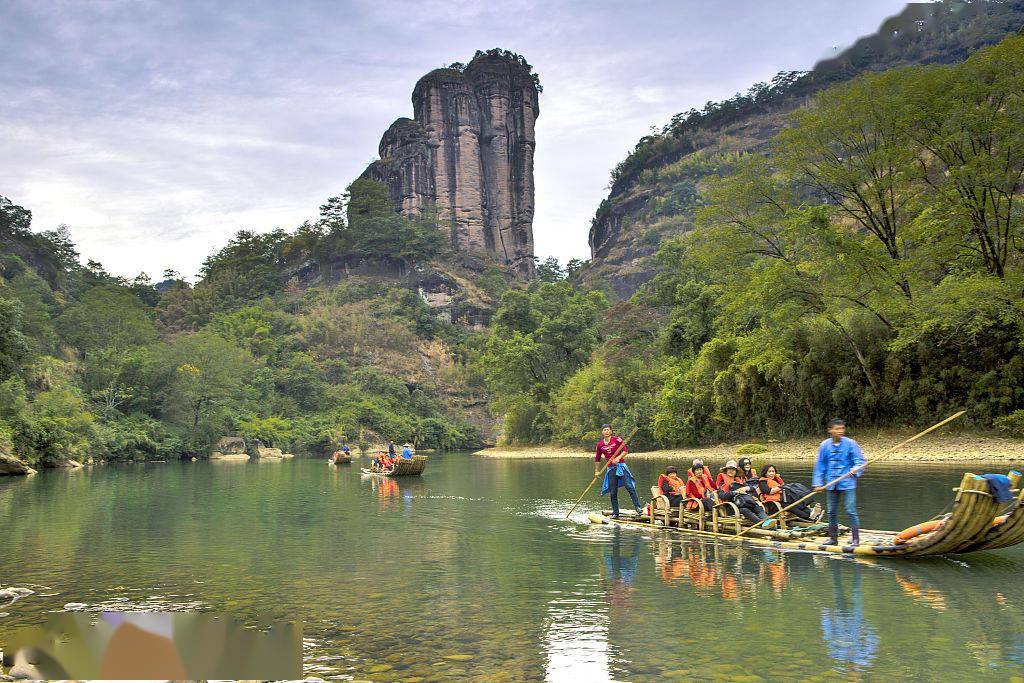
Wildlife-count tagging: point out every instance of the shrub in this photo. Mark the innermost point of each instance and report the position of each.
(1012, 424)
(752, 449)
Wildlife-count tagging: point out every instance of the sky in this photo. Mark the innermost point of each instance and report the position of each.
(156, 130)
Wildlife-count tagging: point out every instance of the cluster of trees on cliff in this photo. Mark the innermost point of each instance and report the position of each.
(870, 264)
(93, 365)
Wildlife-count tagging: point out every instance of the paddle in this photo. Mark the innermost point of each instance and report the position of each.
(856, 469)
(596, 476)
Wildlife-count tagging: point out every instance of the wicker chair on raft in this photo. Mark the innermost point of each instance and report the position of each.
(724, 516)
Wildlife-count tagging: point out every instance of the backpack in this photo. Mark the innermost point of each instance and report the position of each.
(793, 492)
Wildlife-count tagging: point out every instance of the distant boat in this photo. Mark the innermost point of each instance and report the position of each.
(340, 459)
(403, 467)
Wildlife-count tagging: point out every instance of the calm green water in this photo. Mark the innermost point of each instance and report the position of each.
(475, 559)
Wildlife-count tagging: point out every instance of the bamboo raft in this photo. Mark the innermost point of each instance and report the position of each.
(976, 522)
(404, 467)
(342, 460)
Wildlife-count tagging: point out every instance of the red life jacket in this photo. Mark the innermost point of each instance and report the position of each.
(676, 485)
(697, 486)
(773, 497)
(724, 481)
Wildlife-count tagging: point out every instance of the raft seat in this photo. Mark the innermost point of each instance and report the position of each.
(723, 514)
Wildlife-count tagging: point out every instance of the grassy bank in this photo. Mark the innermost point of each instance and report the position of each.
(933, 448)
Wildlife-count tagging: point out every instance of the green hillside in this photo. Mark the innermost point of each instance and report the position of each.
(656, 190)
(866, 261)
(300, 339)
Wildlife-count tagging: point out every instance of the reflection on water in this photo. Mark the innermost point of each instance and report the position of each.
(471, 573)
(851, 639)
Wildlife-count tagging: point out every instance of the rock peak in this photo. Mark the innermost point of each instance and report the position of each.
(468, 153)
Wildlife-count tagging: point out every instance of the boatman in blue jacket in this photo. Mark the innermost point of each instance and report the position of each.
(838, 455)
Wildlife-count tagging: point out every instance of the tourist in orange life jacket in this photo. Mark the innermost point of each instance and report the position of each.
(733, 488)
(700, 486)
(771, 486)
(672, 486)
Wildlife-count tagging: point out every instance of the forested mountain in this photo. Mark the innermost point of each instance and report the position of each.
(301, 339)
(828, 244)
(656, 191)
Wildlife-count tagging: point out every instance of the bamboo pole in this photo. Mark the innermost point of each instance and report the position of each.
(596, 476)
(855, 469)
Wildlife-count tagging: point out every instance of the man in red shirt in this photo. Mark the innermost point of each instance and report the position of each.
(612, 449)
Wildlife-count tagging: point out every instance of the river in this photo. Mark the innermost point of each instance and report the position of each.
(470, 572)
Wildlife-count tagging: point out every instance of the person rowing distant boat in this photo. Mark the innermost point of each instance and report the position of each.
(612, 449)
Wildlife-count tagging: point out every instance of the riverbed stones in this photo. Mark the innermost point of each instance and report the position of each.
(23, 670)
(12, 595)
(459, 658)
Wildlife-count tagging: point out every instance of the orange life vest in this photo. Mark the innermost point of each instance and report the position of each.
(676, 485)
(697, 486)
(773, 497)
(724, 481)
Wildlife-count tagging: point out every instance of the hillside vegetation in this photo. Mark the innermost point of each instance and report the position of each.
(656, 191)
(301, 339)
(866, 263)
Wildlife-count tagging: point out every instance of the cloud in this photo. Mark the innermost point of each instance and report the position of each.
(156, 130)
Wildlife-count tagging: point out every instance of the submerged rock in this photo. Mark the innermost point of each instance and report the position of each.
(11, 595)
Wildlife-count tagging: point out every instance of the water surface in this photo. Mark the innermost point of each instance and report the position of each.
(470, 572)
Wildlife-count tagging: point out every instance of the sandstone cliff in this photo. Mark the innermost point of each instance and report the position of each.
(656, 190)
(467, 153)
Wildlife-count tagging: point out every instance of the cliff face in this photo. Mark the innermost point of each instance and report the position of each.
(468, 154)
(656, 190)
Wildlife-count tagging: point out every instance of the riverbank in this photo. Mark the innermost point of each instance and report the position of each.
(932, 448)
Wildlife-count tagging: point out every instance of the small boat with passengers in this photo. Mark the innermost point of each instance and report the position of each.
(977, 521)
(403, 467)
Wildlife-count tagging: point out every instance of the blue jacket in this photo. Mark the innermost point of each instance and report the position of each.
(836, 460)
(621, 471)
(406, 453)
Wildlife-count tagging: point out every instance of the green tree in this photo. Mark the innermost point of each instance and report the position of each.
(13, 346)
(107, 317)
(377, 231)
(206, 374)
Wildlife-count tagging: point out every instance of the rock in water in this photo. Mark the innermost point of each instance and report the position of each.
(468, 152)
(11, 595)
(229, 445)
(9, 465)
